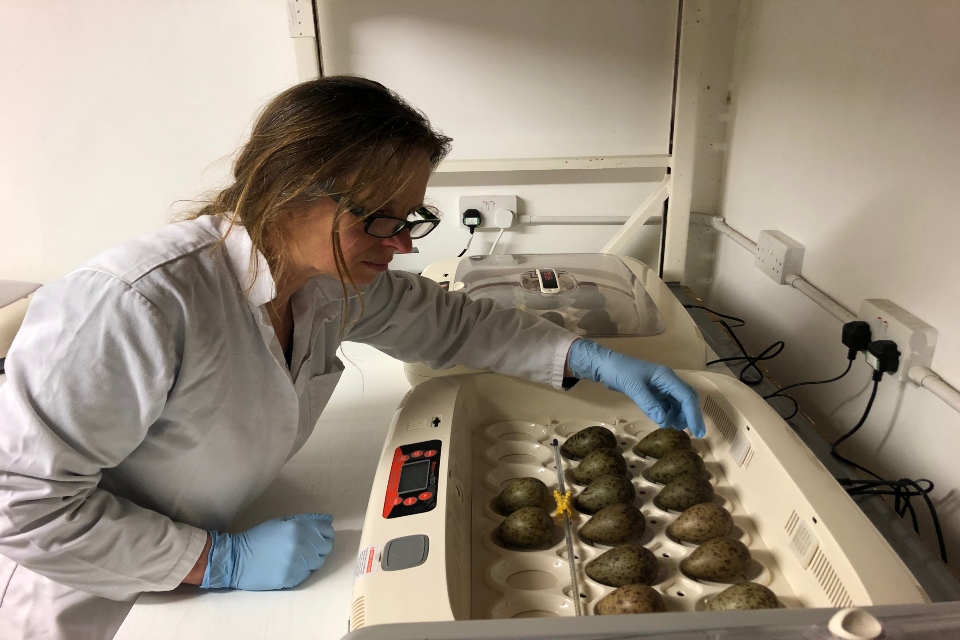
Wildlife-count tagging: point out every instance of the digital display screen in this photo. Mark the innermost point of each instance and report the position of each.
(548, 279)
(414, 477)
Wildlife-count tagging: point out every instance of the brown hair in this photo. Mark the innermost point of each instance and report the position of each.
(341, 135)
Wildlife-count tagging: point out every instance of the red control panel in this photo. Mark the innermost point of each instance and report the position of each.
(414, 479)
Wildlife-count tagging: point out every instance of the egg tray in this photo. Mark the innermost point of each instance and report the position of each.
(513, 583)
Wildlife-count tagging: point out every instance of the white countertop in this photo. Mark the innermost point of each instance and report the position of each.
(333, 473)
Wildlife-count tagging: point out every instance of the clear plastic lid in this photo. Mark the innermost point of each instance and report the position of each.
(596, 294)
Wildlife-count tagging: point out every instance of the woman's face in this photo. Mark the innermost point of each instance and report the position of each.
(310, 250)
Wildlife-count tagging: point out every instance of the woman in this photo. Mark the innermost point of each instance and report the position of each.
(155, 392)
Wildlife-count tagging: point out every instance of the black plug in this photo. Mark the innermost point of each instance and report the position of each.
(883, 356)
(471, 219)
(856, 336)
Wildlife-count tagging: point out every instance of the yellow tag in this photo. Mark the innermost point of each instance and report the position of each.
(563, 503)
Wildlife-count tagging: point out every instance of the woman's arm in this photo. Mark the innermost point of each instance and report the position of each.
(412, 319)
(88, 374)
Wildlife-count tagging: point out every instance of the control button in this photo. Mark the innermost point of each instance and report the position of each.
(430, 453)
(397, 500)
(416, 454)
(426, 495)
(405, 458)
(410, 501)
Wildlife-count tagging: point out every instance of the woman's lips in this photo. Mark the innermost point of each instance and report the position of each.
(377, 266)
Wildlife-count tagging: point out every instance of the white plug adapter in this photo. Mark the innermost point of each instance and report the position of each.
(503, 218)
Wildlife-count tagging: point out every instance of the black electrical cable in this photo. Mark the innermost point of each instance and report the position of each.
(796, 407)
(460, 255)
(751, 361)
(902, 490)
(856, 427)
(719, 315)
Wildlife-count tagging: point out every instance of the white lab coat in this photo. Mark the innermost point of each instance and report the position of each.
(148, 401)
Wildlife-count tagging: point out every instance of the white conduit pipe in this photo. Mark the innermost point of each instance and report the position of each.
(581, 220)
(922, 376)
(829, 304)
(933, 383)
(735, 235)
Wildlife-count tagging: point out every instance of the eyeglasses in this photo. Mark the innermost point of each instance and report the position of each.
(420, 221)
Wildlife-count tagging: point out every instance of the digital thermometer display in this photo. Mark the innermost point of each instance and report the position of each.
(548, 281)
(414, 479)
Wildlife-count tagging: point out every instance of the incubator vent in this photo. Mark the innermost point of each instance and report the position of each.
(740, 449)
(803, 542)
(358, 614)
(724, 424)
(827, 577)
(418, 424)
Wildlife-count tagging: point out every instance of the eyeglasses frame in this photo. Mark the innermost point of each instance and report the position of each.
(369, 218)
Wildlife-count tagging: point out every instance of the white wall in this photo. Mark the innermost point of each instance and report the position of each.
(507, 79)
(114, 110)
(845, 134)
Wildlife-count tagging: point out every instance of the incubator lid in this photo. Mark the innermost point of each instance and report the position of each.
(596, 294)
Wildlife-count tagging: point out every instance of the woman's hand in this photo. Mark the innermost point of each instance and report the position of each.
(277, 554)
(656, 389)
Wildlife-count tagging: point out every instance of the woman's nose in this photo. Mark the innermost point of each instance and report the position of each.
(401, 242)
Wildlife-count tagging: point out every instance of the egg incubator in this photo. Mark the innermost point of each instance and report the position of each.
(616, 301)
(429, 549)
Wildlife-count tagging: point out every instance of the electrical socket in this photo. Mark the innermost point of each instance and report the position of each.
(778, 255)
(915, 338)
(487, 206)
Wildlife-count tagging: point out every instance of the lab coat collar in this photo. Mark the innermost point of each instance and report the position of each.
(258, 284)
(254, 275)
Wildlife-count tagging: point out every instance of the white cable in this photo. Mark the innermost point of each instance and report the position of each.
(500, 235)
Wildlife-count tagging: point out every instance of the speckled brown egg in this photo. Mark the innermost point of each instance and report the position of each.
(604, 491)
(616, 524)
(684, 492)
(625, 564)
(661, 442)
(675, 464)
(631, 598)
(526, 527)
(523, 492)
(599, 463)
(700, 523)
(586, 440)
(717, 560)
(746, 595)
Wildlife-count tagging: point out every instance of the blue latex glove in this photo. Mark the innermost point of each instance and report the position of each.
(657, 390)
(277, 554)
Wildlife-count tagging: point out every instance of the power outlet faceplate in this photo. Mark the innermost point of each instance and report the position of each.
(915, 338)
(487, 206)
(778, 255)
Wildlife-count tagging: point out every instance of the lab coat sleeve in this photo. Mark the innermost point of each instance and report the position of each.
(413, 319)
(88, 373)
